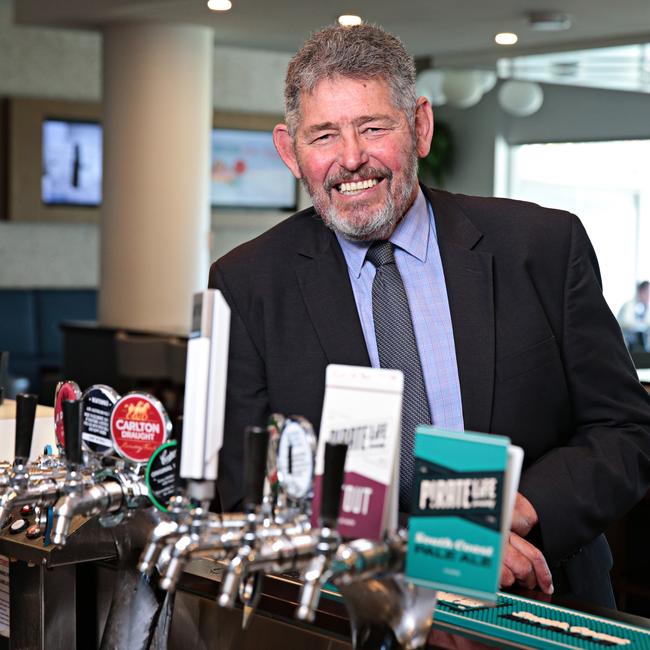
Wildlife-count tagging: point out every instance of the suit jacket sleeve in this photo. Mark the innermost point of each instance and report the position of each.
(246, 397)
(580, 488)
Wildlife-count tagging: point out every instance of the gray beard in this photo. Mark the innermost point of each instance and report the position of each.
(382, 223)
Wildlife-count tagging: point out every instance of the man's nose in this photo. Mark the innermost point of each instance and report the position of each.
(353, 153)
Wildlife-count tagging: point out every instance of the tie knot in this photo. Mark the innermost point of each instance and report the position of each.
(380, 253)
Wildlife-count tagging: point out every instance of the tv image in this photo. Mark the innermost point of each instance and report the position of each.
(72, 163)
(247, 172)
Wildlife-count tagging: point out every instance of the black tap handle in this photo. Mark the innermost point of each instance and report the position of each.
(72, 430)
(177, 435)
(333, 469)
(256, 441)
(25, 416)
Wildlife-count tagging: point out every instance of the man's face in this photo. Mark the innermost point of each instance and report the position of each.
(357, 155)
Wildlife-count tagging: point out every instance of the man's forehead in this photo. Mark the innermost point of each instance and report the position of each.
(362, 99)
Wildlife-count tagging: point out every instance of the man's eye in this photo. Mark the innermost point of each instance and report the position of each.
(323, 137)
(373, 130)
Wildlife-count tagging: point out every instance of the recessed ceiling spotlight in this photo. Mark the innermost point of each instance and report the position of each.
(219, 5)
(349, 20)
(506, 38)
(549, 21)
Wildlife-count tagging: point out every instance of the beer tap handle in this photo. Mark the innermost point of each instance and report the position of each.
(72, 431)
(256, 446)
(319, 568)
(177, 435)
(25, 416)
(334, 468)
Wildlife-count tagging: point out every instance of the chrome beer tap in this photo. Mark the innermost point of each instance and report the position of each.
(220, 536)
(381, 604)
(296, 547)
(111, 491)
(315, 574)
(17, 478)
(256, 443)
(41, 482)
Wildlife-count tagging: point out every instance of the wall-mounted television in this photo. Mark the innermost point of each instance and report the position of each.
(247, 172)
(71, 163)
(54, 160)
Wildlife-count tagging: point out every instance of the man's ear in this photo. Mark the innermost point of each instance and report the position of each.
(423, 126)
(284, 144)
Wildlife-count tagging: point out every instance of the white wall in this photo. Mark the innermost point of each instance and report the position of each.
(65, 64)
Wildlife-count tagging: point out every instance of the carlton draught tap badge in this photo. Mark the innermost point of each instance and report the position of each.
(139, 425)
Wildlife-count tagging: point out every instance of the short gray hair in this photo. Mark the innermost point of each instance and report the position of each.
(360, 52)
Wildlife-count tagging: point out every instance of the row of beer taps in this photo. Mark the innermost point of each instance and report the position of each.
(67, 484)
(274, 534)
(275, 530)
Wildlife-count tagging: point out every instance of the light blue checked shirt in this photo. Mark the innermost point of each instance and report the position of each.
(418, 259)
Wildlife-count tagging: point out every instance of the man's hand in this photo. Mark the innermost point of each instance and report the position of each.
(525, 565)
(524, 516)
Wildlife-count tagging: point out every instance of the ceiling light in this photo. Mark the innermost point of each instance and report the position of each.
(349, 20)
(549, 21)
(219, 5)
(506, 38)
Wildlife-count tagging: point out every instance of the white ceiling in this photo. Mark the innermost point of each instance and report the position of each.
(452, 33)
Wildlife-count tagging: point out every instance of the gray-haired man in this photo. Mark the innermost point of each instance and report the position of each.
(511, 333)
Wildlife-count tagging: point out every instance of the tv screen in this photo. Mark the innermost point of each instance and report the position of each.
(72, 163)
(247, 171)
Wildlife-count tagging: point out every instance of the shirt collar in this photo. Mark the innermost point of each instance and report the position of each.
(407, 236)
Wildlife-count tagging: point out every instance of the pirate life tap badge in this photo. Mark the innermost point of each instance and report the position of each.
(139, 425)
(162, 474)
(65, 390)
(97, 403)
(455, 528)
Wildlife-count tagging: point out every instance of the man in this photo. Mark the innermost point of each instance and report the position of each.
(506, 310)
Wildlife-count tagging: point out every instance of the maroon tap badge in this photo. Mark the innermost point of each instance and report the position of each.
(139, 425)
(65, 390)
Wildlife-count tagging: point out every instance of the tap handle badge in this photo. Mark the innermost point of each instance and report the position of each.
(25, 416)
(72, 430)
(256, 440)
(334, 468)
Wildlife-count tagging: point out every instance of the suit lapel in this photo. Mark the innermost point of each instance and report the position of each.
(323, 278)
(470, 291)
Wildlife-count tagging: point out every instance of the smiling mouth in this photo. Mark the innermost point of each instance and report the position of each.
(354, 187)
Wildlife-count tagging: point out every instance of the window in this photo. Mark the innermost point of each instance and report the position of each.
(606, 184)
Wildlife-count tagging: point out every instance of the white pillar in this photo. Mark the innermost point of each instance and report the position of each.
(155, 219)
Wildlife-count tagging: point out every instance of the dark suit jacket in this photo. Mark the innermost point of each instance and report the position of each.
(540, 357)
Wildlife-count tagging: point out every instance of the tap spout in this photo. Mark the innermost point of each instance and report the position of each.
(98, 499)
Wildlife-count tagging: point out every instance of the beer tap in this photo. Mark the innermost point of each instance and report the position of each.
(317, 570)
(292, 549)
(17, 479)
(108, 492)
(221, 535)
(385, 610)
(255, 452)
